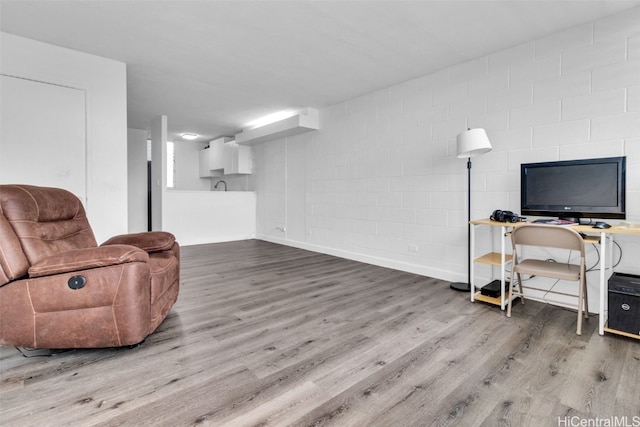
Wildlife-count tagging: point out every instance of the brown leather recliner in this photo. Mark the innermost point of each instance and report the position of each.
(59, 289)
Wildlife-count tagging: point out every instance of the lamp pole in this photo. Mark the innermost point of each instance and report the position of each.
(472, 142)
(462, 286)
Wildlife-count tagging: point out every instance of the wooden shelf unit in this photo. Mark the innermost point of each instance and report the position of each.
(491, 300)
(493, 258)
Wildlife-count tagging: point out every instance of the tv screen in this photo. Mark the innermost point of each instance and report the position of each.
(590, 188)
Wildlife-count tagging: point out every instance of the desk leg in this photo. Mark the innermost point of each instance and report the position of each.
(472, 256)
(503, 231)
(602, 309)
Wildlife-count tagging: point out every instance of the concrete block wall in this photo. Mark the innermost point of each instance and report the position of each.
(381, 183)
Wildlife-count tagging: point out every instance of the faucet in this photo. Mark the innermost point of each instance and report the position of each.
(221, 181)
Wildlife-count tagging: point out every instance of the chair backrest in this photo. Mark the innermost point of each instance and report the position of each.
(39, 222)
(553, 236)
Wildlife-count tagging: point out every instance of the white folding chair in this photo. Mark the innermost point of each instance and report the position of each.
(552, 236)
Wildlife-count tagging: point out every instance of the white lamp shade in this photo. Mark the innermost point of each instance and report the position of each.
(473, 142)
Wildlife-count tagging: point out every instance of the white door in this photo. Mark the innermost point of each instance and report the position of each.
(43, 135)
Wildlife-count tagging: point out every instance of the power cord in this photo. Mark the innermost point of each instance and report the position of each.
(593, 268)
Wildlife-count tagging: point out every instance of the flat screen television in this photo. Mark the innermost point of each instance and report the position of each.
(574, 189)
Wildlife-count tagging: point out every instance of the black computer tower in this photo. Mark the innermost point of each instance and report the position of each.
(624, 303)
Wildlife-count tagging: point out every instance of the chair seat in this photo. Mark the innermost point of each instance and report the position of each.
(536, 267)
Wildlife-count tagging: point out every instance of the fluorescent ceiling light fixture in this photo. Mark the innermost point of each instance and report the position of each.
(304, 120)
(271, 118)
(189, 136)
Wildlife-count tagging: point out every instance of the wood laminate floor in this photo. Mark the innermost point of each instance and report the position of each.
(264, 334)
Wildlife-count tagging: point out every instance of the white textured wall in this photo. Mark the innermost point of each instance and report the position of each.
(381, 177)
(105, 83)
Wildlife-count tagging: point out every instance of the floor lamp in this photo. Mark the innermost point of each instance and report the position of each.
(471, 143)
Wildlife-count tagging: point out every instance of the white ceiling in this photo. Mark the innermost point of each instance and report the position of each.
(213, 66)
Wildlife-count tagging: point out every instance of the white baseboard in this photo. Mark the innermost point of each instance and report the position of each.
(381, 262)
(218, 239)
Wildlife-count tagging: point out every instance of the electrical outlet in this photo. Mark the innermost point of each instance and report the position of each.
(413, 248)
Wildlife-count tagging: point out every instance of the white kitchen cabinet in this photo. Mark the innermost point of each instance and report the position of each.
(237, 158)
(212, 158)
(225, 157)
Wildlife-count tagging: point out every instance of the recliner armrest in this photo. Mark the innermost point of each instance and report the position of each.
(150, 241)
(83, 259)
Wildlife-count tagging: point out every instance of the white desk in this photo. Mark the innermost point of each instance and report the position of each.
(596, 236)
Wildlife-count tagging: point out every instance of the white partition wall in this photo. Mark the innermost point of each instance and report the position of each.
(158, 170)
(137, 180)
(44, 130)
(198, 217)
(103, 81)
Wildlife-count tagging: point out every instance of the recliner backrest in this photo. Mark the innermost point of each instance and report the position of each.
(45, 222)
(13, 262)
